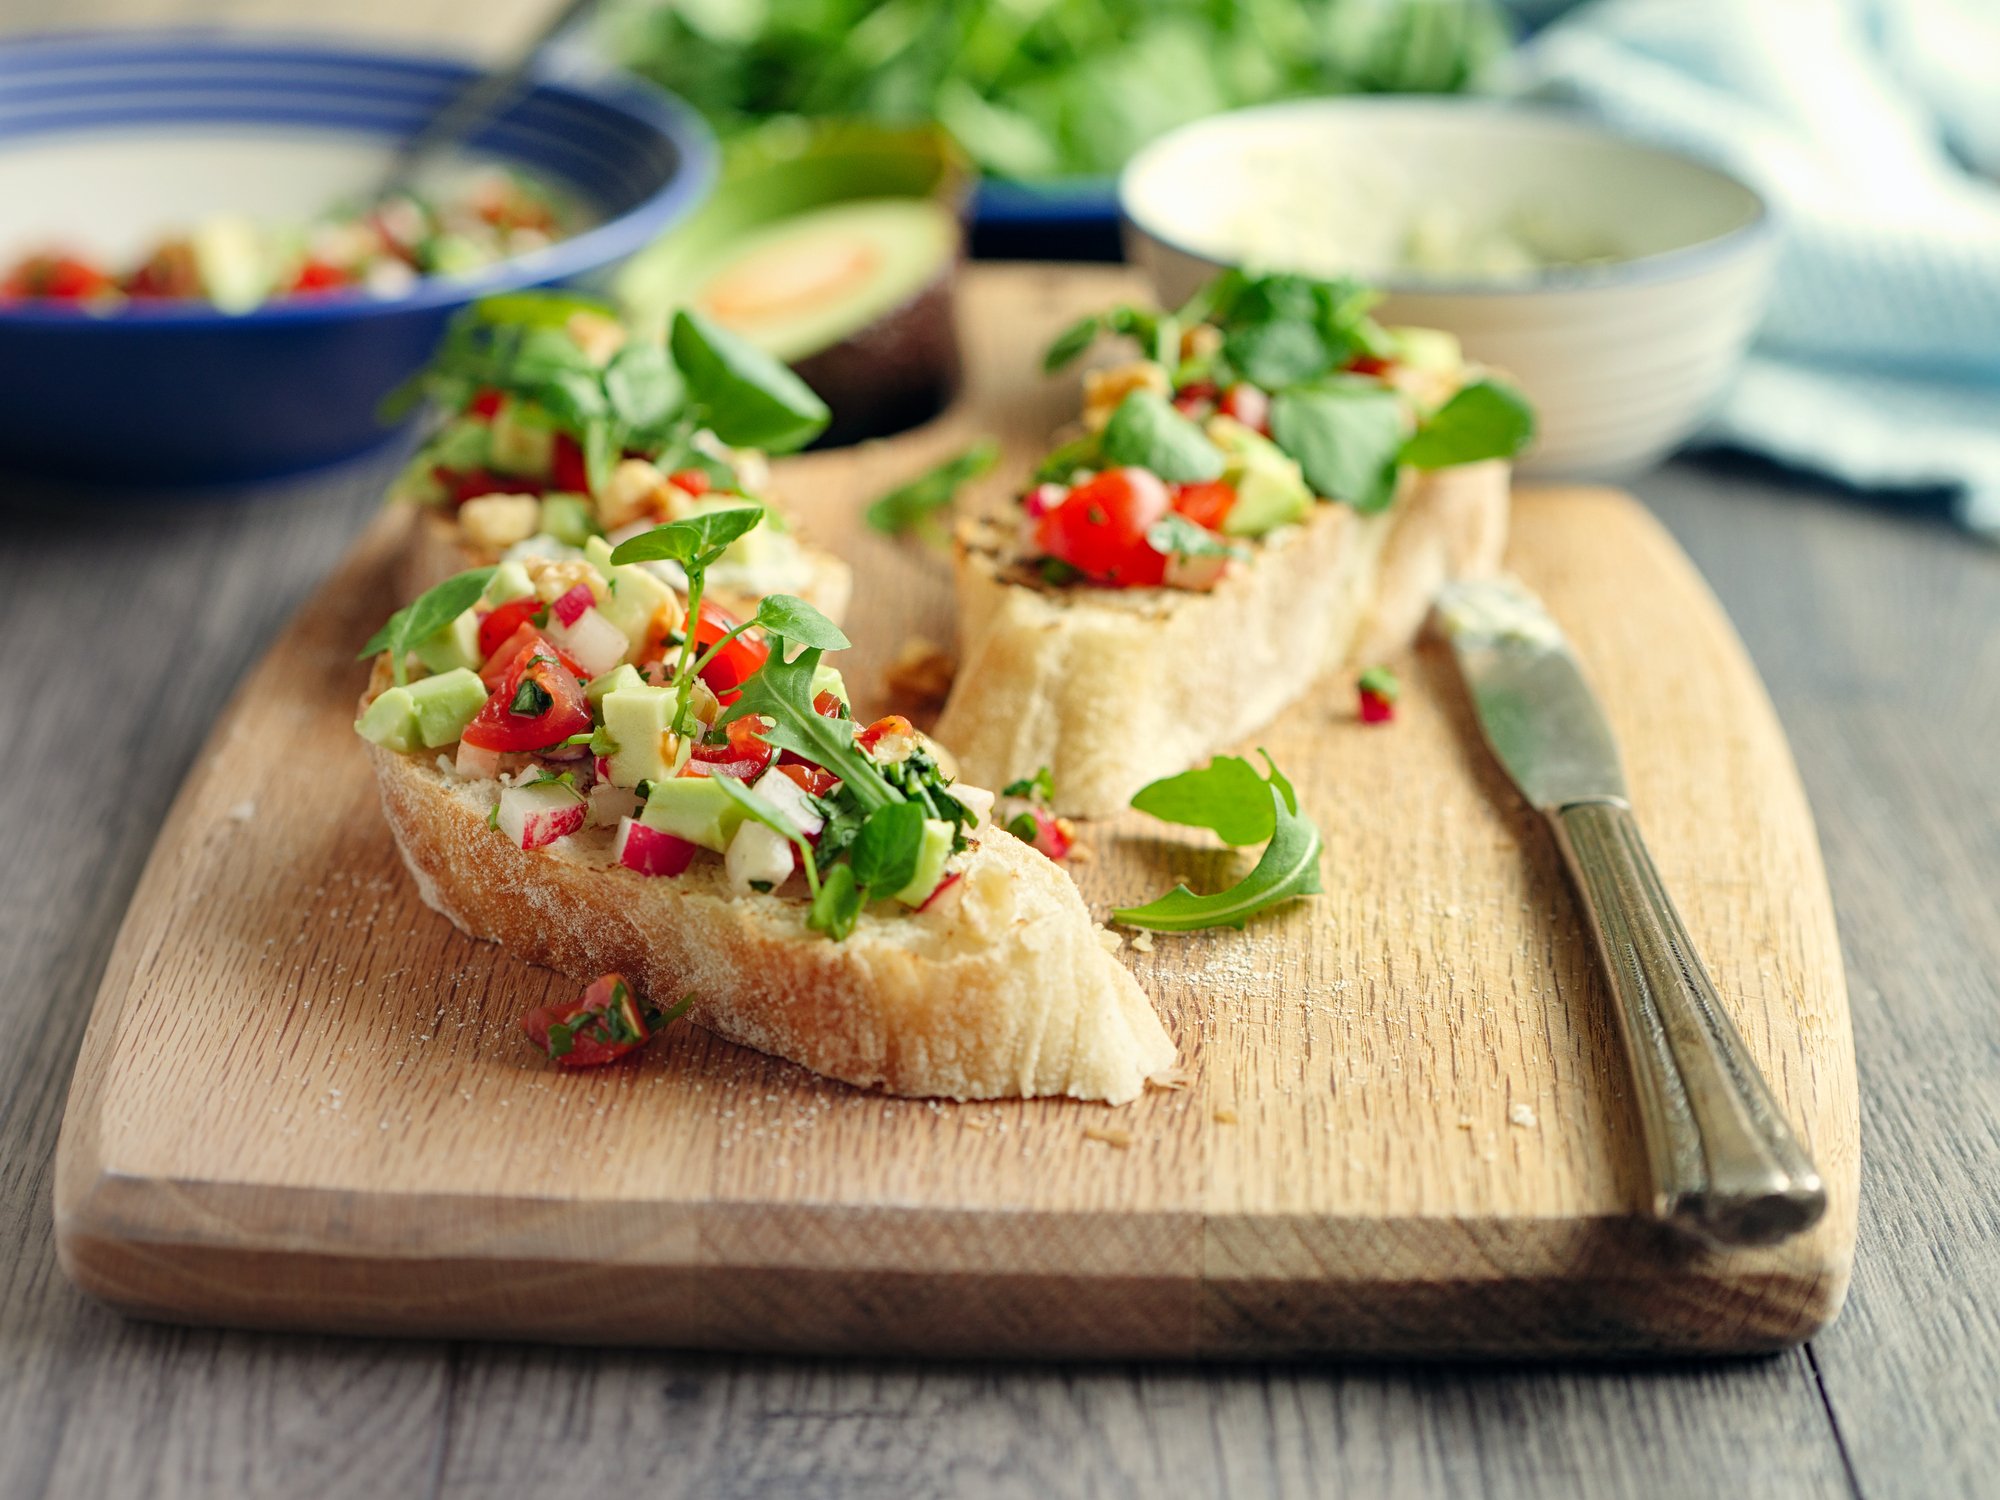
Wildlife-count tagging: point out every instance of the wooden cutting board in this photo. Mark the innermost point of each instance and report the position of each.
(1406, 1126)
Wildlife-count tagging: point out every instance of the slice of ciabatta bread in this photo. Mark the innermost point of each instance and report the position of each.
(1113, 688)
(436, 550)
(1003, 988)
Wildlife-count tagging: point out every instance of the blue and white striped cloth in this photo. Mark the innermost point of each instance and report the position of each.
(1873, 128)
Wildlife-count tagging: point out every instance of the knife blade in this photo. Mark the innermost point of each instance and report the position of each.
(1726, 1166)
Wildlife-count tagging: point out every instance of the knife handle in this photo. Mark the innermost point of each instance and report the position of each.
(1726, 1166)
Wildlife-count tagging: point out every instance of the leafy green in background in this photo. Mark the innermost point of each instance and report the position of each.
(1039, 89)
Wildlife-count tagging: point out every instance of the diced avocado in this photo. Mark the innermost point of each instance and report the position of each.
(391, 721)
(1271, 490)
(523, 440)
(568, 518)
(229, 256)
(509, 581)
(418, 484)
(931, 855)
(445, 704)
(624, 675)
(635, 597)
(637, 720)
(456, 645)
(828, 680)
(696, 809)
(464, 443)
(1427, 349)
(455, 255)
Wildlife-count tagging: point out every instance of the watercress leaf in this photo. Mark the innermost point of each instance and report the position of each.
(1146, 431)
(1040, 787)
(884, 854)
(1486, 419)
(1275, 355)
(746, 397)
(1288, 867)
(914, 506)
(798, 622)
(1226, 796)
(1176, 536)
(644, 388)
(837, 904)
(781, 691)
(1346, 436)
(1071, 342)
(424, 617)
(700, 534)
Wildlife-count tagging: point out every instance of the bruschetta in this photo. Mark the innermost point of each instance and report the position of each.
(574, 772)
(1276, 489)
(558, 426)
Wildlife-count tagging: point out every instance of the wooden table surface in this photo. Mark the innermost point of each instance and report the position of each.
(125, 625)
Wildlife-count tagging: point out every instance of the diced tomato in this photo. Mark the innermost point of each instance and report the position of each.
(461, 485)
(811, 779)
(736, 662)
(881, 729)
(486, 404)
(319, 276)
(694, 481)
(745, 747)
(1368, 364)
(567, 470)
(1206, 502)
(1100, 528)
(171, 271)
(601, 1025)
(827, 704)
(61, 278)
(1249, 405)
(499, 625)
(1196, 398)
(524, 636)
(538, 702)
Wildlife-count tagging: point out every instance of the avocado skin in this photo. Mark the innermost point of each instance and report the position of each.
(902, 369)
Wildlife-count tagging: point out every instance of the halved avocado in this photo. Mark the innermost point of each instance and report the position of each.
(835, 250)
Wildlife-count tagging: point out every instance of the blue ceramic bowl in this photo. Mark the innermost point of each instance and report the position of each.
(107, 140)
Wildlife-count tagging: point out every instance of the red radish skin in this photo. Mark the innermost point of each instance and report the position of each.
(572, 605)
(536, 816)
(651, 851)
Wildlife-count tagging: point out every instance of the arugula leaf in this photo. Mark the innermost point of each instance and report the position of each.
(746, 397)
(1146, 431)
(1288, 867)
(913, 506)
(799, 623)
(1346, 436)
(1226, 796)
(423, 617)
(781, 690)
(708, 531)
(644, 388)
(1175, 535)
(884, 854)
(837, 904)
(1486, 419)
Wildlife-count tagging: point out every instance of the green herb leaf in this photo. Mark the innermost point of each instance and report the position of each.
(1040, 787)
(746, 397)
(1288, 867)
(782, 691)
(799, 623)
(1275, 355)
(1381, 682)
(699, 535)
(1176, 536)
(1346, 436)
(884, 854)
(644, 388)
(1079, 453)
(914, 506)
(422, 618)
(1487, 419)
(837, 905)
(1148, 433)
(546, 309)
(1071, 342)
(1226, 796)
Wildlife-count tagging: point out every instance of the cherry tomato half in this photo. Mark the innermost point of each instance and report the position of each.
(1100, 527)
(736, 662)
(811, 779)
(501, 623)
(524, 636)
(538, 702)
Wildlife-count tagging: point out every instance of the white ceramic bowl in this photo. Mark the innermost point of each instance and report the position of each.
(1623, 356)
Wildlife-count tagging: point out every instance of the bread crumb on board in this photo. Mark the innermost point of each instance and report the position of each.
(1111, 1135)
(1523, 1116)
(1225, 1117)
(923, 671)
(1142, 941)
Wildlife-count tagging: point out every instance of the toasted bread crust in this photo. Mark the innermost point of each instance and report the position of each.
(1005, 989)
(1113, 688)
(436, 551)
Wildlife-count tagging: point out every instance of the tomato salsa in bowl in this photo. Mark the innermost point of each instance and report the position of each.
(127, 145)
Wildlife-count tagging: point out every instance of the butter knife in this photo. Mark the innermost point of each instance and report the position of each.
(1726, 1166)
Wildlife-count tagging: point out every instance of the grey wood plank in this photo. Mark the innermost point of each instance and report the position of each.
(128, 627)
(1881, 645)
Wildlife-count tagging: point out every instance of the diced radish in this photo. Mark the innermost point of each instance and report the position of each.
(974, 799)
(574, 603)
(609, 804)
(758, 855)
(596, 644)
(536, 816)
(785, 794)
(650, 851)
(476, 762)
(942, 886)
(1044, 498)
(600, 767)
